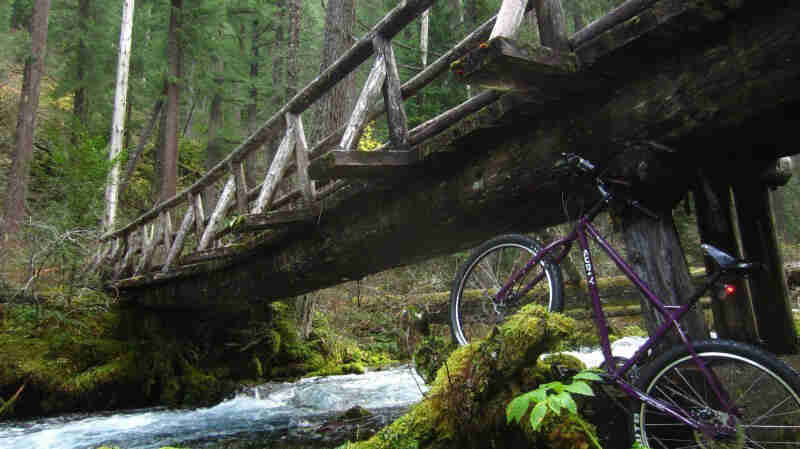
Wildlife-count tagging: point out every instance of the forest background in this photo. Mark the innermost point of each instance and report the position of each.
(204, 74)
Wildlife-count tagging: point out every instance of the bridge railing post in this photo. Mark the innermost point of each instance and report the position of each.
(216, 217)
(306, 186)
(174, 251)
(549, 16)
(276, 169)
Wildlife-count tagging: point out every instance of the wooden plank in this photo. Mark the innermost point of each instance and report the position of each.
(237, 169)
(219, 211)
(177, 244)
(278, 218)
(504, 64)
(392, 97)
(305, 185)
(355, 126)
(509, 18)
(276, 170)
(363, 164)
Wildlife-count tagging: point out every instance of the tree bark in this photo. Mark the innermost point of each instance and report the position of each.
(335, 105)
(118, 118)
(80, 107)
(655, 253)
(19, 175)
(169, 154)
(295, 13)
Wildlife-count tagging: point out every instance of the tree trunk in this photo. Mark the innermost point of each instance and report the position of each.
(655, 253)
(80, 107)
(169, 154)
(279, 54)
(26, 124)
(334, 107)
(118, 118)
(295, 13)
(130, 166)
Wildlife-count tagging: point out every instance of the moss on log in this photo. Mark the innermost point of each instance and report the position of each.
(472, 389)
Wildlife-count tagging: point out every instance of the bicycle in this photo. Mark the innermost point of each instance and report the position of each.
(703, 394)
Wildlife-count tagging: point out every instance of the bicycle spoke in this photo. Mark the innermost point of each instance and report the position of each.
(761, 418)
(702, 402)
(770, 407)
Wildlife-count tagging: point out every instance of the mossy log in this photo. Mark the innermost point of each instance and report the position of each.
(472, 389)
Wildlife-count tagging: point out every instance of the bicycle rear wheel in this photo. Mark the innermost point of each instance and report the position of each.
(764, 390)
(473, 308)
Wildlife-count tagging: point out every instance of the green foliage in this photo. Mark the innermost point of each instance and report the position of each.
(552, 397)
(69, 180)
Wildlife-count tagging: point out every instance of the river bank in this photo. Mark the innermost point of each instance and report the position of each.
(92, 354)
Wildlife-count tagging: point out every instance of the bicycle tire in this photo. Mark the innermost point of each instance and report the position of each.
(473, 311)
(764, 388)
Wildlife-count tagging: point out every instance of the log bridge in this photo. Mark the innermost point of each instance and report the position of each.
(716, 80)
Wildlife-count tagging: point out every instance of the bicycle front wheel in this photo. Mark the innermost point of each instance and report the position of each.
(764, 391)
(474, 310)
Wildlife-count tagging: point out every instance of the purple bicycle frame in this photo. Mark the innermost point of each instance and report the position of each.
(672, 315)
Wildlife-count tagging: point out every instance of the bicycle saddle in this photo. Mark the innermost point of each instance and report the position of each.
(727, 262)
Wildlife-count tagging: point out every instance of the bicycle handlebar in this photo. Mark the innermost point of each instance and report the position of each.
(576, 162)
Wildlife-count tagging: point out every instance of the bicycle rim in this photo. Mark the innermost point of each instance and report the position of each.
(769, 404)
(476, 310)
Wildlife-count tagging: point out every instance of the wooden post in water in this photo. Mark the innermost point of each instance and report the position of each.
(760, 243)
(733, 315)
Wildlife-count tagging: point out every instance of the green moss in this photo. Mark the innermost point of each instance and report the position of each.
(471, 389)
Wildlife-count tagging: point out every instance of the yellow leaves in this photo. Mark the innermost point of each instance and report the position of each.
(367, 141)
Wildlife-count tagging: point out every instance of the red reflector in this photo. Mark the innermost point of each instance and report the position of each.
(730, 289)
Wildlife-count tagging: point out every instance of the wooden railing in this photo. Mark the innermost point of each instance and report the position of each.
(129, 251)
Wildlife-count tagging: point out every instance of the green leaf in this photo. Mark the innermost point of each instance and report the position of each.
(537, 415)
(554, 403)
(538, 395)
(580, 387)
(587, 375)
(517, 407)
(567, 402)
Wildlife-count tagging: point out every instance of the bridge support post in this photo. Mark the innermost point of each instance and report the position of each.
(655, 253)
(733, 316)
(770, 291)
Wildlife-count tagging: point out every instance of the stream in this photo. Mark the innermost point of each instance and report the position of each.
(299, 411)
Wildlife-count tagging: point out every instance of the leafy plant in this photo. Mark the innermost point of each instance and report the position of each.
(553, 397)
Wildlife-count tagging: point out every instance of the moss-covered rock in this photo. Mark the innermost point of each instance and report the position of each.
(475, 384)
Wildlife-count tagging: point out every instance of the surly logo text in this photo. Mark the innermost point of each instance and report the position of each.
(587, 264)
